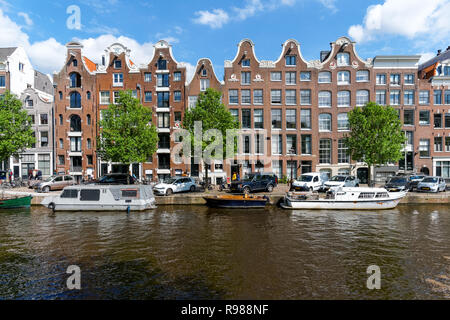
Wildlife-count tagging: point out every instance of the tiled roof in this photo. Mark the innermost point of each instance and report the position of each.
(6, 52)
(443, 56)
(92, 67)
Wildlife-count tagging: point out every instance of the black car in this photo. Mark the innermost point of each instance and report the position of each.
(116, 178)
(396, 184)
(255, 182)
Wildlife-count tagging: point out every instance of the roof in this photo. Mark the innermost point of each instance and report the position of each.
(43, 83)
(92, 67)
(443, 56)
(6, 52)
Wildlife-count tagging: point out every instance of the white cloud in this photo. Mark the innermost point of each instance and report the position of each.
(215, 19)
(252, 7)
(329, 4)
(408, 18)
(26, 17)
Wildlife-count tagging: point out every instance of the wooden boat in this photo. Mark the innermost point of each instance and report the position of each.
(102, 198)
(344, 199)
(15, 202)
(236, 201)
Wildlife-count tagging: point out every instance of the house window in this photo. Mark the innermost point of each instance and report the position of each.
(424, 147)
(234, 96)
(291, 119)
(276, 118)
(2, 81)
(147, 77)
(343, 59)
(116, 97)
(408, 117)
(259, 144)
(22, 66)
(235, 114)
(305, 118)
(437, 96)
(305, 97)
(258, 118)
(306, 144)
(362, 76)
(291, 144)
(395, 97)
(291, 60)
(61, 160)
(88, 95)
(44, 139)
(162, 64)
(246, 63)
(246, 77)
(246, 119)
(177, 96)
(277, 167)
(89, 144)
(277, 144)
(343, 124)
(275, 96)
(438, 120)
(343, 98)
(424, 117)
(148, 96)
(105, 97)
(44, 119)
(90, 160)
(424, 97)
(60, 120)
(246, 97)
(74, 63)
(275, 76)
(177, 76)
(325, 151)
(381, 78)
(325, 77)
(75, 100)
(192, 101)
(291, 78)
(381, 97)
(291, 97)
(247, 146)
(258, 96)
(29, 103)
(44, 164)
(117, 64)
(408, 97)
(75, 80)
(60, 95)
(343, 156)
(61, 143)
(325, 122)
(324, 99)
(409, 78)
(204, 84)
(163, 100)
(118, 79)
(447, 144)
(395, 80)
(362, 97)
(305, 76)
(343, 77)
(438, 144)
(162, 80)
(163, 120)
(447, 120)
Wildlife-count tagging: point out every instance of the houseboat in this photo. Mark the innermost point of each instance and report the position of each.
(344, 199)
(237, 201)
(102, 198)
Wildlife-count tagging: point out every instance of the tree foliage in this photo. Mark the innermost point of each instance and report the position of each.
(126, 132)
(16, 133)
(376, 134)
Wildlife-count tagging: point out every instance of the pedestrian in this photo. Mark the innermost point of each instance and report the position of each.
(238, 177)
(234, 177)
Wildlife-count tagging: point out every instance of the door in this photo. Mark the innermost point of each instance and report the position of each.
(363, 175)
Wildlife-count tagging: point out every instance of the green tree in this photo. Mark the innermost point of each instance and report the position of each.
(16, 134)
(126, 133)
(213, 114)
(376, 135)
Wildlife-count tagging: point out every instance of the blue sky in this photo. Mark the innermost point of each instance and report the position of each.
(200, 28)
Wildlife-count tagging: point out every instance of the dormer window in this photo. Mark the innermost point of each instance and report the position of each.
(75, 62)
(291, 60)
(21, 66)
(204, 72)
(162, 64)
(29, 103)
(343, 59)
(117, 64)
(246, 63)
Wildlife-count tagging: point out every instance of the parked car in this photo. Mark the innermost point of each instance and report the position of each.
(432, 184)
(414, 181)
(54, 183)
(254, 182)
(309, 182)
(175, 185)
(116, 178)
(397, 184)
(341, 181)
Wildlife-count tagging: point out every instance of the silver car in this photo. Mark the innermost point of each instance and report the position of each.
(432, 184)
(341, 181)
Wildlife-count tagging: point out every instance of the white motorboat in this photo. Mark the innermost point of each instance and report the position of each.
(102, 198)
(344, 199)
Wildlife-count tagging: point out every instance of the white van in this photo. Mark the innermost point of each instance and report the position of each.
(309, 182)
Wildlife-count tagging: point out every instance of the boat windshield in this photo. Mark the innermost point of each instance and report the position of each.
(305, 178)
(338, 179)
(397, 180)
(430, 180)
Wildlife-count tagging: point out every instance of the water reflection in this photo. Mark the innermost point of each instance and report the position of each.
(200, 253)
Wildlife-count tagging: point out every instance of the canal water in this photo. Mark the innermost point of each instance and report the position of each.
(200, 253)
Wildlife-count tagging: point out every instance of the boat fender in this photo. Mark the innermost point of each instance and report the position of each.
(128, 210)
(52, 206)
